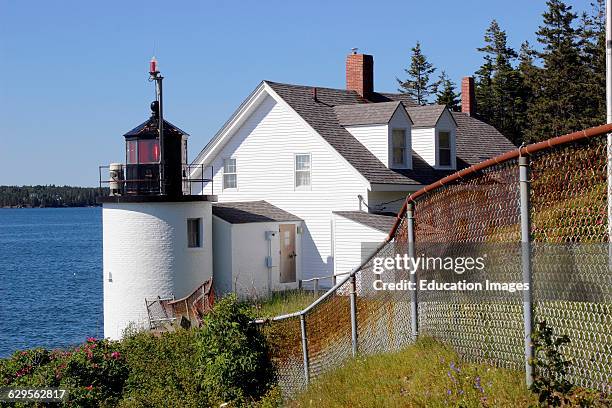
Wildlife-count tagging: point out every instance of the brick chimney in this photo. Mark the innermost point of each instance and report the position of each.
(468, 96)
(360, 74)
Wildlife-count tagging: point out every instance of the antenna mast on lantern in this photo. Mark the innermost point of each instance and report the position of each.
(155, 75)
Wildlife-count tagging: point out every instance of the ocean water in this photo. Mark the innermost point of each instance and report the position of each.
(50, 277)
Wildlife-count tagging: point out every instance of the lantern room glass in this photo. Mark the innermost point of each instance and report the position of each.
(148, 151)
(145, 151)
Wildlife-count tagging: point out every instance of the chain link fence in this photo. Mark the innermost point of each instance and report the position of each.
(478, 211)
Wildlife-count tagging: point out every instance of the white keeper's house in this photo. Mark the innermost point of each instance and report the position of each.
(304, 174)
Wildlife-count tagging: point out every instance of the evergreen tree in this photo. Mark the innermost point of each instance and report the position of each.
(499, 84)
(560, 104)
(529, 90)
(447, 94)
(592, 32)
(484, 90)
(418, 84)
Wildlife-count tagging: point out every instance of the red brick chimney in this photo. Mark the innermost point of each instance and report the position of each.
(468, 96)
(360, 74)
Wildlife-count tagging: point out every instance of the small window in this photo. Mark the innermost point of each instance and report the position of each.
(229, 174)
(132, 157)
(444, 149)
(194, 233)
(399, 147)
(302, 171)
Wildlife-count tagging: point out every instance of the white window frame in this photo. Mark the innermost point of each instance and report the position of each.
(451, 141)
(235, 173)
(200, 233)
(407, 149)
(295, 172)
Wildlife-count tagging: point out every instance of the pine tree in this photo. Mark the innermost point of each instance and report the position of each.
(499, 84)
(484, 90)
(418, 84)
(529, 90)
(592, 33)
(560, 104)
(447, 94)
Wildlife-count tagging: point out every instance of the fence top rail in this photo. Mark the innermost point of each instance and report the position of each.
(347, 276)
(502, 158)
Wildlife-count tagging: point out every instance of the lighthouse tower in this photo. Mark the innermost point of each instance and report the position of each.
(156, 236)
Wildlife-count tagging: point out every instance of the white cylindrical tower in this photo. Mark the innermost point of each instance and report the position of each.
(157, 238)
(151, 249)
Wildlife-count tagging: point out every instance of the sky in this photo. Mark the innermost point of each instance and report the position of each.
(73, 74)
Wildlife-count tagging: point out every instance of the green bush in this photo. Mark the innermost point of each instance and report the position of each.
(94, 373)
(163, 370)
(551, 370)
(233, 355)
(226, 360)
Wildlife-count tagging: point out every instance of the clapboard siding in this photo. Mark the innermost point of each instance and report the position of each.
(348, 238)
(423, 144)
(264, 148)
(375, 138)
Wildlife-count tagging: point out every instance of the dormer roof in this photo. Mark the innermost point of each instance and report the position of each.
(367, 113)
(426, 116)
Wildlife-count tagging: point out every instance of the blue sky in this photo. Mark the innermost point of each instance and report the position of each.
(73, 74)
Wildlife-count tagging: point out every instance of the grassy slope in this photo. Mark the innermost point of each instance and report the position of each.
(279, 303)
(421, 375)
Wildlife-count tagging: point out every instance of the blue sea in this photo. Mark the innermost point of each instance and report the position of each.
(50, 277)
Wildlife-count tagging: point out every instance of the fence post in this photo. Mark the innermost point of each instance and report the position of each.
(316, 287)
(353, 295)
(414, 305)
(305, 347)
(524, 175)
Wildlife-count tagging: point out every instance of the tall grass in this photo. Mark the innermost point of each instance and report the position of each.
(427, 374)
(285, 302)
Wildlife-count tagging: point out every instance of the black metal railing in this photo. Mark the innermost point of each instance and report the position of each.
(143, 179)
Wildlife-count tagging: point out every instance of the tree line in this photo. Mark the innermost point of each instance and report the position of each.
(554, 87)
(48, 196)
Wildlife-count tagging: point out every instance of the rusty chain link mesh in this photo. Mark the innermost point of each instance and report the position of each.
(572, 282)
(482, 213)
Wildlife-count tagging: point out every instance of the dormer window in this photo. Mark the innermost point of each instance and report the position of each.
(399, 148)
(444, 149)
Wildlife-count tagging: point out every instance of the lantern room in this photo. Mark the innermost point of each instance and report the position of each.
(145, 173)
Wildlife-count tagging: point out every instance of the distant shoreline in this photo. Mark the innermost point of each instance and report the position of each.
(50, 196)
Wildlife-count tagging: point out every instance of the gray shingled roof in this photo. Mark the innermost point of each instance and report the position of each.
(425, 116)
(251, 211)
(366, 113)
(475, 139)
(379, 222)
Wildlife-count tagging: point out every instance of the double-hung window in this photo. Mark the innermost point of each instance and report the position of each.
(444, 149)
(230, 180)
(302, 172)
(398, 151)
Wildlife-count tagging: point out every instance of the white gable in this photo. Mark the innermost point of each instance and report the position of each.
(264, 147)
(377, 137)
(425, 140)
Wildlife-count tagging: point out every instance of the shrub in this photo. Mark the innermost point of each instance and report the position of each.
(163, 370)
(226, 360)
(233, 355)
(551, 370)
(94, 373)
